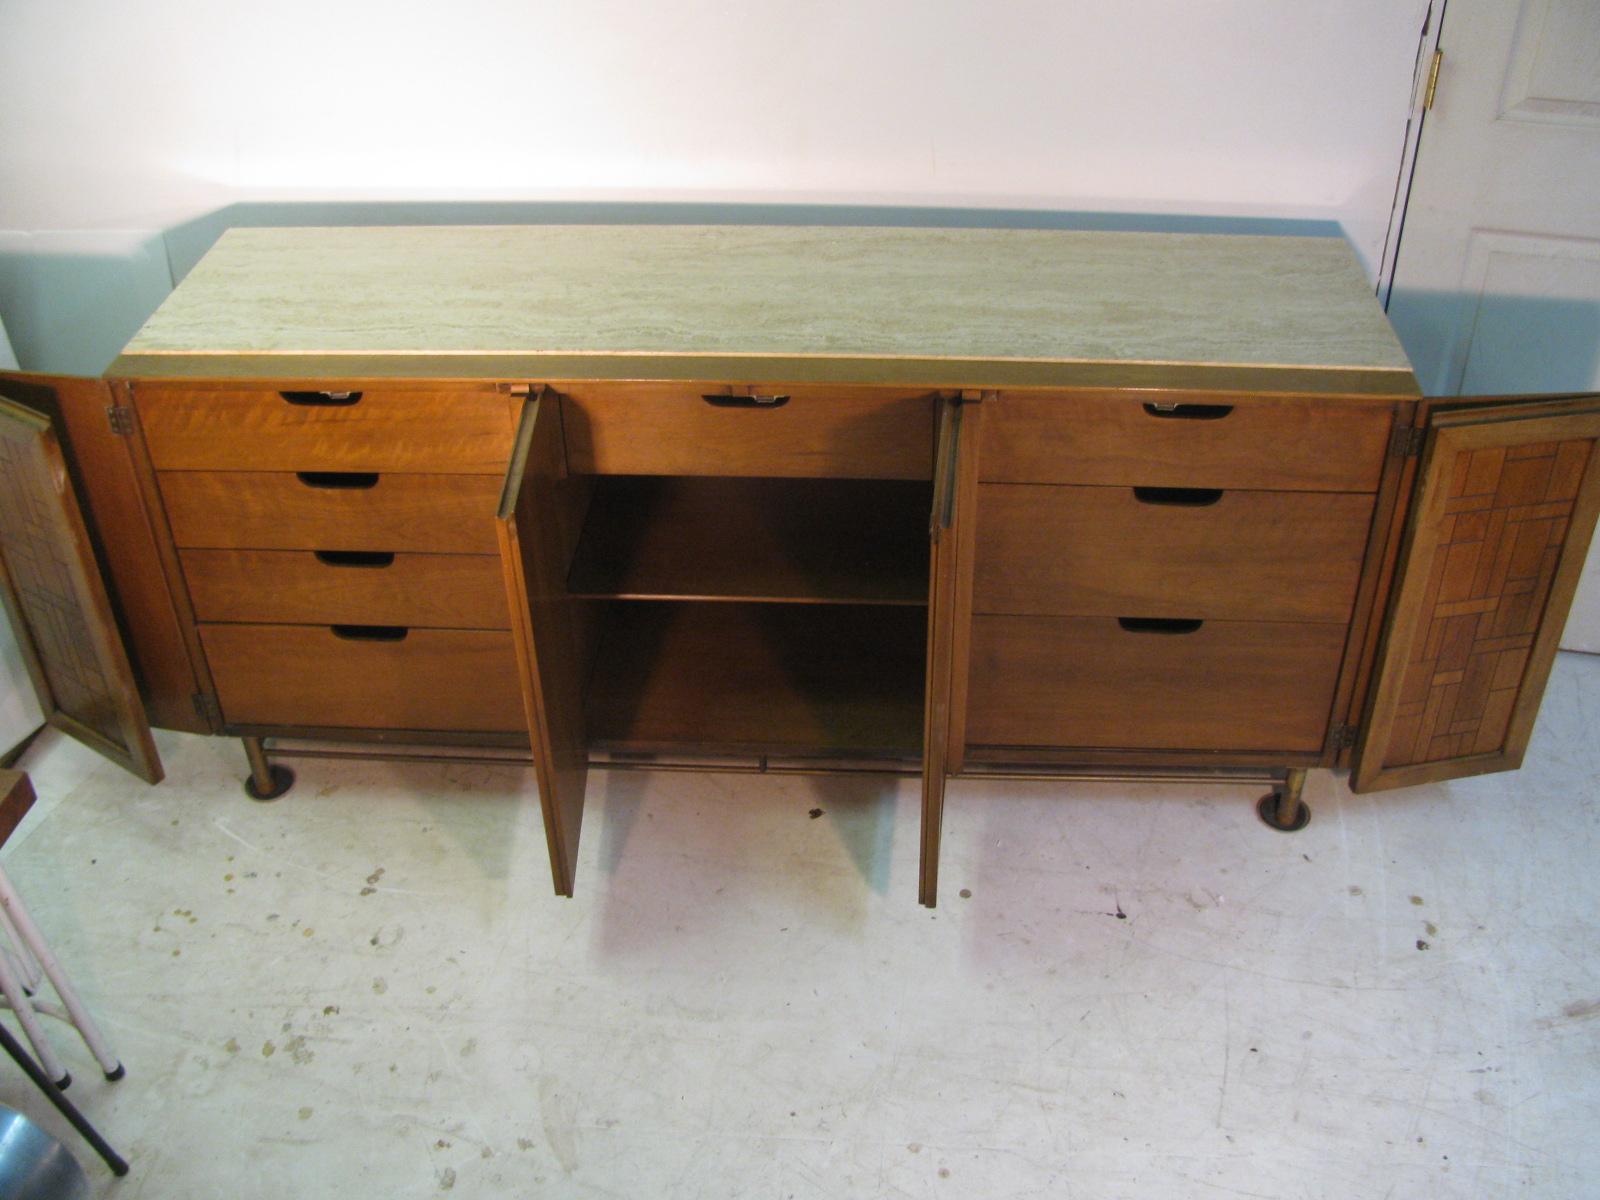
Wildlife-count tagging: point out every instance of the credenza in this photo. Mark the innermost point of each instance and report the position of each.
(950, 502)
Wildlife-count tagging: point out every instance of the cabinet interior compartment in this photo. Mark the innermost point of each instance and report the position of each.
(753, 616)
(747, 678)
(802, 541)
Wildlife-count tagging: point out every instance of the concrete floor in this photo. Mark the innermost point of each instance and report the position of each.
(367, 988)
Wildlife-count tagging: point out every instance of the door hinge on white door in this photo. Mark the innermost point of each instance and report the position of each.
(120, 418)
(1433, 81)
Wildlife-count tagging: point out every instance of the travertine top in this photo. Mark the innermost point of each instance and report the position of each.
(966, 307)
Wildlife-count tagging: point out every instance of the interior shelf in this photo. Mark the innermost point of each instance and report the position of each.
(803, 541)
(759, 678)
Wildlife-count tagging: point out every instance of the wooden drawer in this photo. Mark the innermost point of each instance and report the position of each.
(671, 429)
(381, 428)
(251, 510)
(304, 587)
(1169, 552)
(1176, 439)
(310, 676)
(1089, 682)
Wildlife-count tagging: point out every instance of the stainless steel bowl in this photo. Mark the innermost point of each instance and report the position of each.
(33, 1165)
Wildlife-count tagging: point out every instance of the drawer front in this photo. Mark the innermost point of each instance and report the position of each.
(383, 428)
(309, 676)
(1174, 439)
(250, 510)
(1169, 552)
(671, 429)
(304, 587)
(1088, 682)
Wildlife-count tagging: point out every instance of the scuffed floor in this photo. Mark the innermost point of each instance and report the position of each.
(367, 988)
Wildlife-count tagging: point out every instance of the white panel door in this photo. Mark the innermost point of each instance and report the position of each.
(1497, 283)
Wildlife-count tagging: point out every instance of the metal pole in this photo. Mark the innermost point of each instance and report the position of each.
(64, 1106)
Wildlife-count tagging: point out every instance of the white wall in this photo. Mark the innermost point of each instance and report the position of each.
(120, 120)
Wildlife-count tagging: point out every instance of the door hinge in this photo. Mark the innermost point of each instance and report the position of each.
(120, 418)
(1407, 443)
(206, 706)
(1344, 736)
(1433, 81)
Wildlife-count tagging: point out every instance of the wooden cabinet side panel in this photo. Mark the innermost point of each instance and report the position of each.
(1377, 576)
(540, 517)
(134, 543)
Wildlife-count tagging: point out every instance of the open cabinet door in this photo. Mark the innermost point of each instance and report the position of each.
(1501, 516)
(541, 511)
(52, 588)
(953, 480)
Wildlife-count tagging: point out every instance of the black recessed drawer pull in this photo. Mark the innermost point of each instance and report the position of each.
(370, 633)
(355, 480)
(322, 399)
(1189, 412)
(1159, 624)
(746, 401)
(355, 558)
(1179, 497)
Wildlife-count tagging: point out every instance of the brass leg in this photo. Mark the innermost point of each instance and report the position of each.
(1282, 808)
(268, 780)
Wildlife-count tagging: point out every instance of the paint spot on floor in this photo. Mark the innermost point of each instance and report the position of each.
(1422, 945)
(268, 1049)
(966, 893)
(468, 1049)
(1417, 900)
(307, 931)
(814, 813)
(944, 1172)
(1578, 1010)
(375, 876)
(524, 1144)
(1356, 891)
(305, 1112)
(447, 1179)
(380, 985)
(330, 1010)
(1433, 930)
(367, 891)
(296, 1048)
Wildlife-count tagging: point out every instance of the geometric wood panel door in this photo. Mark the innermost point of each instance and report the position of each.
(52, 590)
(1502, 516)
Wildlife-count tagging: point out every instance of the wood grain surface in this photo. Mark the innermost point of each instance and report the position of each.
(446, 679)
(297, 587)
(1086, 682)
(1293, 443)
(261, 510)
(391, 427)
(670, 429)
(1101, 551)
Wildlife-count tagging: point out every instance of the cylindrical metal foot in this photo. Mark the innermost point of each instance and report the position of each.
(268, 780)
(1282, 808)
